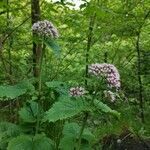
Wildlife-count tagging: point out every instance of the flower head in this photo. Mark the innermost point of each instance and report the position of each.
(109, 95)
(45, 28)
(109, 71)
(76, 91)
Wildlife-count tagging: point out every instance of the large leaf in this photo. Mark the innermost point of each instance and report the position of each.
(67, 143)
(11, 92)
(106, 109)
(71, 133)
(20, 143)
(58, 86)
(7, 132)
(65, 108)
(24, 142)
(41, 142)
(73, 129)
(30, 112)
(53, 45)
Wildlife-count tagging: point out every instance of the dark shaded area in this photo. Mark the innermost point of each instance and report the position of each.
(126, 141)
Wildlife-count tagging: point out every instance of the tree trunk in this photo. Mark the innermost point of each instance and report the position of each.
(37, 47)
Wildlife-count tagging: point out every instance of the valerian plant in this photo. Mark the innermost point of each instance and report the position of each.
(70, 102)
(80, 101)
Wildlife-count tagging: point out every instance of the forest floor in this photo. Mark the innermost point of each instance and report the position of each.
(126, 141)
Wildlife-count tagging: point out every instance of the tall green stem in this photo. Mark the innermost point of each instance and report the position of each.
(141, 99)
(139, 77)
(82, 130)
(89, 41)
(40, 69)
(40, 85)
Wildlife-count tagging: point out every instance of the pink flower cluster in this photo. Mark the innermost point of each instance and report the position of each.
(45, 28)
(76, 91)
(109, 71)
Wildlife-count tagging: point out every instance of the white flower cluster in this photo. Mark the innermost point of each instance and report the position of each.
(109, 95)
(45, 28)
(76, 91)
(107, 70)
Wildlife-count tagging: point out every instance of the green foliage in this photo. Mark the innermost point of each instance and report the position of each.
(98, 32)
(71, 133)
(20, 142)
(53, 45)
(128, 121)
(58, 86)
(7, 132)
(12, 92)
(66, 108)
(24, 142)
(106, 109)
(30, 112)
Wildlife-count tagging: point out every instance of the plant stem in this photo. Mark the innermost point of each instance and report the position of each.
(82, 130)
(89, 41)
(40, 86)
(106, 57)
(40, 69)
(141, 99)
(139, 78)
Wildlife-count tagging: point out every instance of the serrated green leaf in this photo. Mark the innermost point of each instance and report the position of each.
(106, 109)
(24, 142)
(9, 128)
(8, 91)
(71, 133)
(7, 132)
(65, 108)
(71, 129)
(59, 86)
(88, 135)
(30, 112)
(11, 91)
(26, 84)
(41, 142)
(67, 143)
(54, 84)
(53, 45)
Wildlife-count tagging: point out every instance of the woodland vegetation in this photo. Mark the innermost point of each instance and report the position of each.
(74, 78)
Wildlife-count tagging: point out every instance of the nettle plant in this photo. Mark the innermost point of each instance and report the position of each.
(56, 104)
